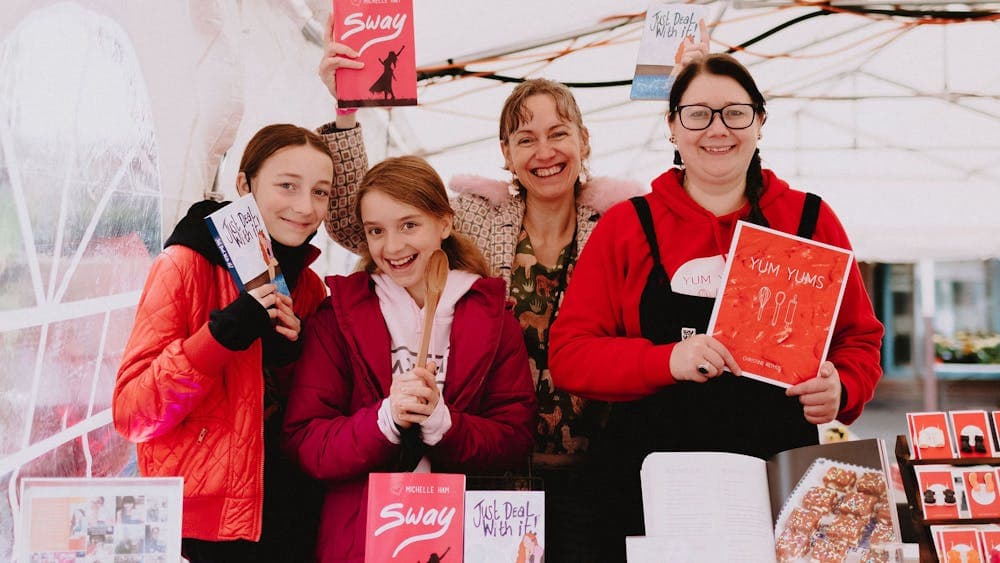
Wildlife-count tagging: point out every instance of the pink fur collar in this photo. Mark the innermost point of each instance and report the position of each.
(600, 193)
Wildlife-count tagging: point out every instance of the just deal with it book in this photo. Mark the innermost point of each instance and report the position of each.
(660, 49)
(381, 31)
(239, 231)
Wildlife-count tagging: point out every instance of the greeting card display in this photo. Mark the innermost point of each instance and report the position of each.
(929, 435)
(779, 301)
(816, 503)
(958, 543)
(414, 517)
(504, 526)
(996, 429)
(981, 492)
(661, 47)
(990, 536)
(381, 31)
(972, 434)
(939, 497)
(240, 234)
(100, 520)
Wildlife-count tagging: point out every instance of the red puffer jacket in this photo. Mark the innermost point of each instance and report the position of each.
(193, 406)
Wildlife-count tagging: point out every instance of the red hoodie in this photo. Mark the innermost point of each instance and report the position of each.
(597, 348)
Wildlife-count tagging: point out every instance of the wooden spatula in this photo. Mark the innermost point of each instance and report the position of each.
(434, 280)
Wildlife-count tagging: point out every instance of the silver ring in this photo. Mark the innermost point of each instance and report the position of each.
(703, 369)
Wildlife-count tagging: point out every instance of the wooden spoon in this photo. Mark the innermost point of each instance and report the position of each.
(434, 280)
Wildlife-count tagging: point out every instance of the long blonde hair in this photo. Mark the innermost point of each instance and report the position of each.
(411, 180)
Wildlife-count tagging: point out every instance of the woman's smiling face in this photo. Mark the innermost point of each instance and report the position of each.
(716, 156)
(545, 152)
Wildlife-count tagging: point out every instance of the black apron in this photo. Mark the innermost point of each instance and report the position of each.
(725, 414)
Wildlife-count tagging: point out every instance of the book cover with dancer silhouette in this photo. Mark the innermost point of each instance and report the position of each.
(381, 31)
(778, 302)
(415, 517)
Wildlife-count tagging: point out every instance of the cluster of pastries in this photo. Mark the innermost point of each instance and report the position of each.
(833, 518)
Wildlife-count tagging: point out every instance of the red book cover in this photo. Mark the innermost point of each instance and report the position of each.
(381, 31)
(415, 517)
(779, 301)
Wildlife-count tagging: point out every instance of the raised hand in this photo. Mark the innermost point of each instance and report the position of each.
(690, 51)
(335, 55)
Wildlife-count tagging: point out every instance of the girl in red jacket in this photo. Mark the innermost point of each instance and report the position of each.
(358, 403)
(199, 385)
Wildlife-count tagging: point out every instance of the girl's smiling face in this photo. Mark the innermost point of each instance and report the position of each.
(292, 189)
(401, 239)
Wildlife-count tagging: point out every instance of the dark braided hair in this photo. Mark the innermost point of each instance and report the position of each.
(724, 65)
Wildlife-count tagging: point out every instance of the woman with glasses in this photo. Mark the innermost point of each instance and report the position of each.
(632, 327)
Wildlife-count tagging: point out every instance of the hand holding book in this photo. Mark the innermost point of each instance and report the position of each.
(691, 51)
(700, 358)
(820, 396)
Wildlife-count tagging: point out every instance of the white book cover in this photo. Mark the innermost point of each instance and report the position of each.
(242, 237)
(664, 30)
(504, 526)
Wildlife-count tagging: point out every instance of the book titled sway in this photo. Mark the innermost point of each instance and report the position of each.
(779, 302)
(660, 49)
(816, 503)
(381, 31)
(415, 517)
(240, 234)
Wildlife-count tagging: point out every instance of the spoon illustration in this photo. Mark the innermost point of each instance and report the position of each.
(434, 278)
(762, 298)
(779, 298)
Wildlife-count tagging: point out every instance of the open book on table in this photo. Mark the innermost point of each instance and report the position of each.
(828, 502)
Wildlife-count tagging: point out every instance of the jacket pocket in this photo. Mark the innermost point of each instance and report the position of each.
(199, 451)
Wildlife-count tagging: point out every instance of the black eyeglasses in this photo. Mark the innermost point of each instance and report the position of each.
(733, 116)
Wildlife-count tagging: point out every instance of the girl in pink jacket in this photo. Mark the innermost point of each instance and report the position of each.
(358, 403)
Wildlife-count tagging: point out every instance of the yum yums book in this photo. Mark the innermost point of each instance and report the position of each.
(505, 526)
(779, 302)
(240, 234)
(415, 517)
(381, 31)
(660, 49)
(828, 502)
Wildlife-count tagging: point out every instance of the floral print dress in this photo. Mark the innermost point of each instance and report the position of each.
(565, 422)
